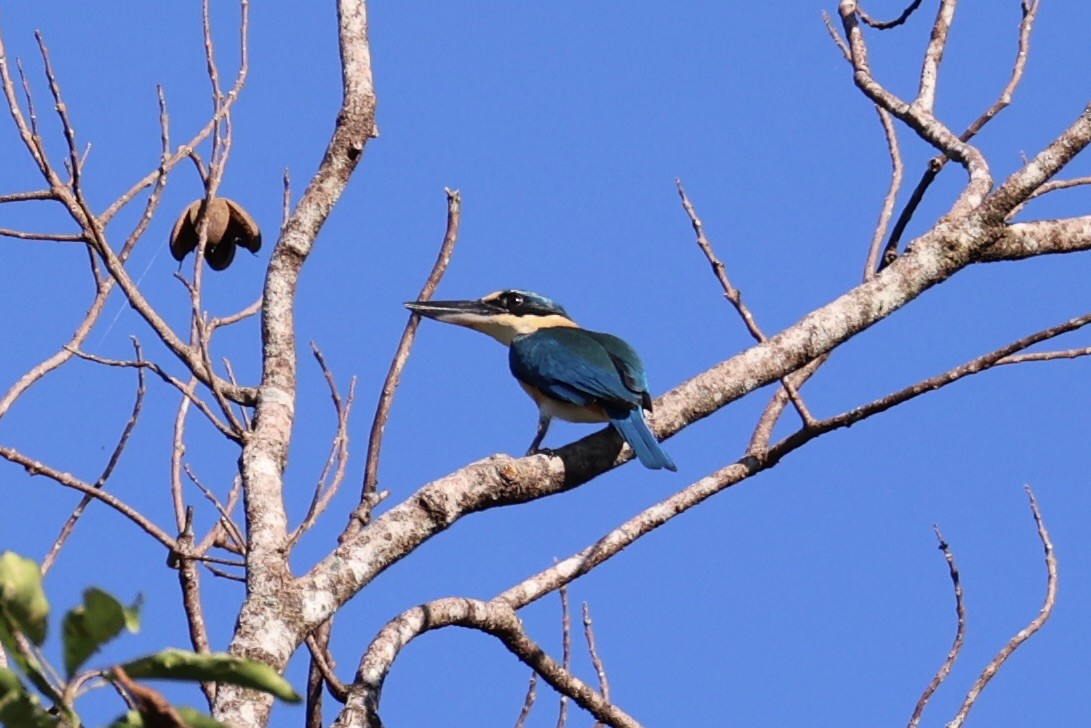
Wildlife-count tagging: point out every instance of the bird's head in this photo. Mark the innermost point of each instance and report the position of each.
(502, 315)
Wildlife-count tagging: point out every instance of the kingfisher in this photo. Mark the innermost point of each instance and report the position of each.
(571, 373)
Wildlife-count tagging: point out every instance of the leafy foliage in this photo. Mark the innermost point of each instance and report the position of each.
(85, 629)
(217, 667)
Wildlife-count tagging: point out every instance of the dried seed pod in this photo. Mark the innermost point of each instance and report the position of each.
(229, 225)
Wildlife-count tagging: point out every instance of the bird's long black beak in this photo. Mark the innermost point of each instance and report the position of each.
(452, 311)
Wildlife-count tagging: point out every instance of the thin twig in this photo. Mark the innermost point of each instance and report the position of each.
(592, 650)
(45, 237)
(111, 464)
(225, 514)
(886, 25)
(28, 196)
(226, 527)
(225, 575)
(401, 355)
(224, 321)
(871, 266)
(62, 112)
(203, 341)
(190, 583)
(528, 700)
(323, 661)
(339, 452)
(933, 55)
(770, 416)
(1045, 356)
(733, 295)
(178, 451)
(286, 201)
(1027, 632)
(160, 181)
(960, 632)
(836, 37)
(28, 131)
(36, 467)
(566, 651)
(1051, 186)
(176, 383)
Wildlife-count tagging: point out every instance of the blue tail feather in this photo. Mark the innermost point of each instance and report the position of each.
(635, 432)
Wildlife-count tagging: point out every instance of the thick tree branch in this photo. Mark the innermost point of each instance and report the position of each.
(492, 617)
(936, 165)
(501, 480)
(265, 631)
(1040, 237)
(918, 115)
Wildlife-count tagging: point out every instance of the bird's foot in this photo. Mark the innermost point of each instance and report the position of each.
(540, 451)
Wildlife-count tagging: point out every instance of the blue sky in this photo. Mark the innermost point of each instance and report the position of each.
(810, 595)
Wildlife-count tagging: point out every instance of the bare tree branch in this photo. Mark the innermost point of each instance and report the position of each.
(566, 652)
(935, 256)
(35, 467)
(1027, 632)
(933, 55)
(115, 457)
(321, 674)
(592, 651)
(871, 265)
(918, 115)
(262, 632)
(339, 453)
(1030, 12)
(733, 295)
(189, 580)
(28, 196)
(176, 383)
(887, 25)
(494, 618)
(401, 356)
(960, 633)
(94, 227)
(528, 701)
(1041, 237)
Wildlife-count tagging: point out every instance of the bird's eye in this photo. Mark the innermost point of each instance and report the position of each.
(511, 301)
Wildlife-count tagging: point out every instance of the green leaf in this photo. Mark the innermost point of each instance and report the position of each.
(19, 708)
(194, 719)
(22, 601)
(216, 667)
(91, 625)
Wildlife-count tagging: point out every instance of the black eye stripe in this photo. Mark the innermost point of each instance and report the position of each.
(511, 301)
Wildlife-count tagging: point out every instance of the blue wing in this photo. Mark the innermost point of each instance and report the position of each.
(588, 368)
(573, 365)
